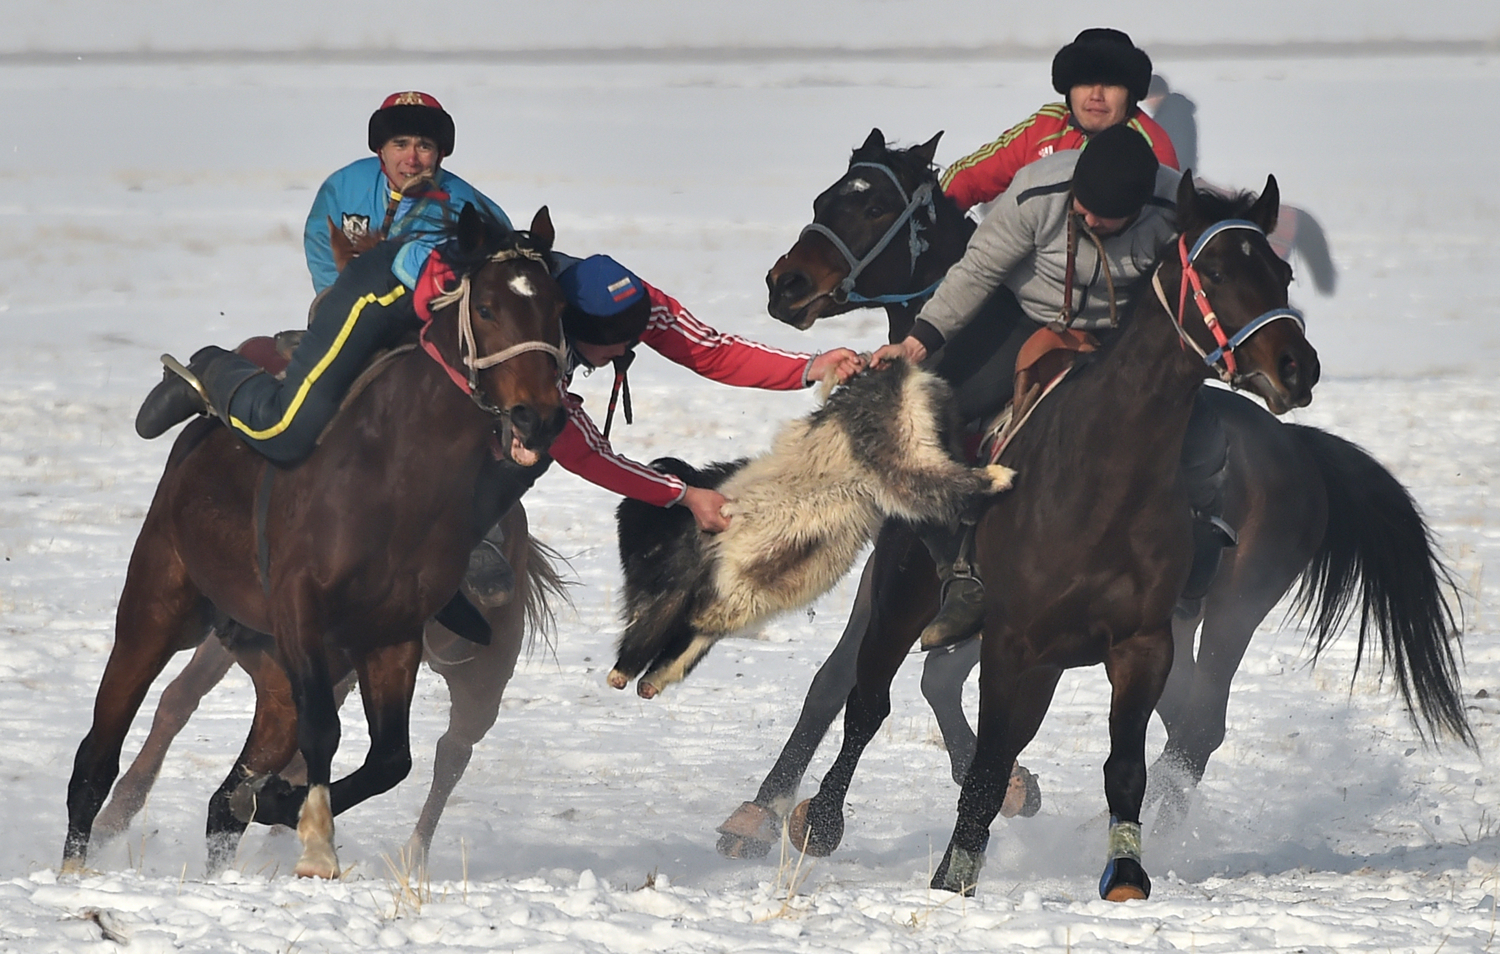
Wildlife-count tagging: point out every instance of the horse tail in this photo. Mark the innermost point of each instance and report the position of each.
(545, 588)
(1312, 244)
(1377, 550)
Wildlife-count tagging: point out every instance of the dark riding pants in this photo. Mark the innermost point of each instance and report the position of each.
(365, 310)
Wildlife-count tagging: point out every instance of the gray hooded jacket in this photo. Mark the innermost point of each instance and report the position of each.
(1023, 243)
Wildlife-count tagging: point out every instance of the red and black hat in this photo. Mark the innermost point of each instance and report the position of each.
(411, 114)
(1102, 55)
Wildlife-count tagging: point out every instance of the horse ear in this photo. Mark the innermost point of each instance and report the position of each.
(928, 149)
(874, 142)
(1187, 201)
(470, 233)
(1267, 209)
(541, 227)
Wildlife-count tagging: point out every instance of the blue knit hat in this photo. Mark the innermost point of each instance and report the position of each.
(607, 303)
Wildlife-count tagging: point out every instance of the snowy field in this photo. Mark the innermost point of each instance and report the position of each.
(154, 193)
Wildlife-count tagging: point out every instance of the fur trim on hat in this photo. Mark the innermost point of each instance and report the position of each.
(411, 114)
(1102, 55)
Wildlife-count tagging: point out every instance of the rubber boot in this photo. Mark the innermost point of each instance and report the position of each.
(490, 577)
(962, 613)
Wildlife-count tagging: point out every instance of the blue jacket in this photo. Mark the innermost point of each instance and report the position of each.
(355, 198)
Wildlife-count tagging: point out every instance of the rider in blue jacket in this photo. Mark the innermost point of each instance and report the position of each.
(401, 195)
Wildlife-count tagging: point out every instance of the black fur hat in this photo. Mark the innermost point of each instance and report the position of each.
(411, 114)
(1102, 55)
(1116, 173)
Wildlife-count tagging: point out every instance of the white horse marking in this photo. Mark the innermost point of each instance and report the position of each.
(522, 286)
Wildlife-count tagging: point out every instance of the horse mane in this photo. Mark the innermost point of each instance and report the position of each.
(1210, 207)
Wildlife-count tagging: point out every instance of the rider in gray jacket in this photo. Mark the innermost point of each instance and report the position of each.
(1064, 244)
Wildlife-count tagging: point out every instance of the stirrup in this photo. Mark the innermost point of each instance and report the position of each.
(181, 370)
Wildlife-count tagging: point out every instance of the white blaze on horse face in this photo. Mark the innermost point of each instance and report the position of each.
(522, 286)
(854, 185)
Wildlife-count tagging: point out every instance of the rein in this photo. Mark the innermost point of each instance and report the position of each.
(1221, 359)
(467, 346)
(920, 198)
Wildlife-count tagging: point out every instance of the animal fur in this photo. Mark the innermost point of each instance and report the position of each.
(883, 446)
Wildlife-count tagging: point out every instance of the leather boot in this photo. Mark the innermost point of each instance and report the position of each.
(1205, 458)
(1211, 535)
(490, 577)
(177, 397)
(962, 613)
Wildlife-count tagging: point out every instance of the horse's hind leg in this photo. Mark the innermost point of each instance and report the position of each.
(178, 703)
(160, 612)
(750, 831)
(251, 790)
(476, 681)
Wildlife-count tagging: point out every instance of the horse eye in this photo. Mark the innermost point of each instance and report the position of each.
(485, 313)
(1214, 275)
(874, 212)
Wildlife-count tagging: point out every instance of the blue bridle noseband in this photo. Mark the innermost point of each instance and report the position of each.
(920, 198)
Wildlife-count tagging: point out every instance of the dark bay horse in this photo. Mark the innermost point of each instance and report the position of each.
(476, 677)
(1084, 561)
(1306, 504)
(343, 558)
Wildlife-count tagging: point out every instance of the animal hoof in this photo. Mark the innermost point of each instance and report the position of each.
(741, 849)
(1023, 796)
(749, 832)
(317, 865)
(617, 679)
(959, 871)
(1001, 477)
(1124, 880)
(817, 836)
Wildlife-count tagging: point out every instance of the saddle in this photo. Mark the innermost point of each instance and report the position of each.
(1045, 359)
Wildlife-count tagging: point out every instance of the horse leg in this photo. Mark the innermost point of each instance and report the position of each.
(475, 686)
(753, 827)
(1137, 668)
(943, 675)
(251, 790)
(178, 703)
(160, 613)
(1011, 709)
(906, 594)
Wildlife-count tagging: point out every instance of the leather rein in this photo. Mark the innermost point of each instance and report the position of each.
(920, 198)
(1221, 359)
(467, 346)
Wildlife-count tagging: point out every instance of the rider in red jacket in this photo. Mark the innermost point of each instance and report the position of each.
(609, 311)
(1103, 76)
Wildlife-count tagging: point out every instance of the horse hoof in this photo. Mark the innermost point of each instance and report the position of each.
(741, 848)
(817, 837)
(959, 871)
(1023, 796)
(617, 679)
(1124, 880)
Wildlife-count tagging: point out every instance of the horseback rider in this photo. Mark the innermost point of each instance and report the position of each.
(609, 311)
(1068, 240)
(1102, 77)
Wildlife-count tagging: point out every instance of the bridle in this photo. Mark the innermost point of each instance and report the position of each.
(1221, 359)
(920, 198)
(467, 347)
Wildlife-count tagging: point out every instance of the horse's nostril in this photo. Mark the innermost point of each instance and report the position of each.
(790, 286)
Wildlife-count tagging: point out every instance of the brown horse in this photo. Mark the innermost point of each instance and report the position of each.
(343, 558)
(1306, 504)
(476, 677)
(1084, 560)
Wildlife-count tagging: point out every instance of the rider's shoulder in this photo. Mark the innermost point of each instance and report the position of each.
(1048, 176)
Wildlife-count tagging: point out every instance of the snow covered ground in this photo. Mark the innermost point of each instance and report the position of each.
(154, 203)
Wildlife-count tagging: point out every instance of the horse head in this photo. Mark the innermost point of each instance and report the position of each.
(865, 239)
(503, 341)
(1231, 295)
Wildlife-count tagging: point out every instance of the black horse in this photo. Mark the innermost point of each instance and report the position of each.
(1306, 504)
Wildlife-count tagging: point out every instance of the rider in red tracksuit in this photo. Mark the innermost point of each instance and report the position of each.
(1103, 76)
(609, 311)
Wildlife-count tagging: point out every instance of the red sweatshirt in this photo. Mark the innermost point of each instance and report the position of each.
(982, 175)
(676, 334)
